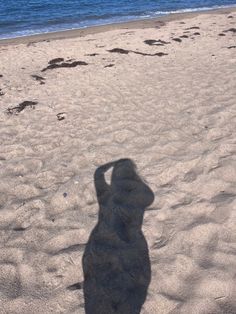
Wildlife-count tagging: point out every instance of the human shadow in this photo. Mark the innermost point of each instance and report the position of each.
(116, 263)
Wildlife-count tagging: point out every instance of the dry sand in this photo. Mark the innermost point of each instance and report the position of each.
(172, 109)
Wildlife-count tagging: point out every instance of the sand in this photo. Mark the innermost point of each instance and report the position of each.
(162, 94)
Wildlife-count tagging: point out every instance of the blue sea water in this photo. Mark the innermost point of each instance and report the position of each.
(26, 17)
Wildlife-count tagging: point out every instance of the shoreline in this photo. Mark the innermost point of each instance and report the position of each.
(162, 96)
(90, 30)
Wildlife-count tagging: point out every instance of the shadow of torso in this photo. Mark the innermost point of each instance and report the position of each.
(116, 262)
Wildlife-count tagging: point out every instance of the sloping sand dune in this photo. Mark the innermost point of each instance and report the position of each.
(174, 114)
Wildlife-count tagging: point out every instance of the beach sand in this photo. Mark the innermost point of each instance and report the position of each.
(161, 92)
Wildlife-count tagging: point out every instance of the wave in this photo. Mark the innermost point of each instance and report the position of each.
(189, 10)
(103, 21)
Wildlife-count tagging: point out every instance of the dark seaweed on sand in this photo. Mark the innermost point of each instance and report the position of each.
(177, 39)
(18, 229)
(56, 60)
(150, 42)
(123, 51)
(154, 42)
(159, 54)
(109, 65)
(39, 78)
(193, 27)
(1, 93)
(119, 50)
(233, 30)
(64, 65)
(21, 107)
(92, 54)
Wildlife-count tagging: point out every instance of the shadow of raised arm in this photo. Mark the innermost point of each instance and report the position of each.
(101, 186)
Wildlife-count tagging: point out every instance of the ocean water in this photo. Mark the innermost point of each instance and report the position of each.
(26, 17)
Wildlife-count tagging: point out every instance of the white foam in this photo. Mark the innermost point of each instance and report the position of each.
(194, 9)
(25, 33)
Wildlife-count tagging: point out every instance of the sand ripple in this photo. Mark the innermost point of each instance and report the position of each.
(174, 115)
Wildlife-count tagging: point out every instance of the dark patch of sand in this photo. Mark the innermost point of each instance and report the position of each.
(159, 24)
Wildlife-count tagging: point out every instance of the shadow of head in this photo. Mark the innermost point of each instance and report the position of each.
(127, 188)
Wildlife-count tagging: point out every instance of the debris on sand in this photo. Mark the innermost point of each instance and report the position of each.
(123, 51)
(233, 30)
(177, 39)
(39, 78)
(76, 286)
(119, 50)
(109, 65)
(92, 54)
(61, 116)
(56, 60)
(154, 42)
(55, 64)
(193, 27)
(21, 107)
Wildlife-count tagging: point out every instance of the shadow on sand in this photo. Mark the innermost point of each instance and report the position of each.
(116, 262)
